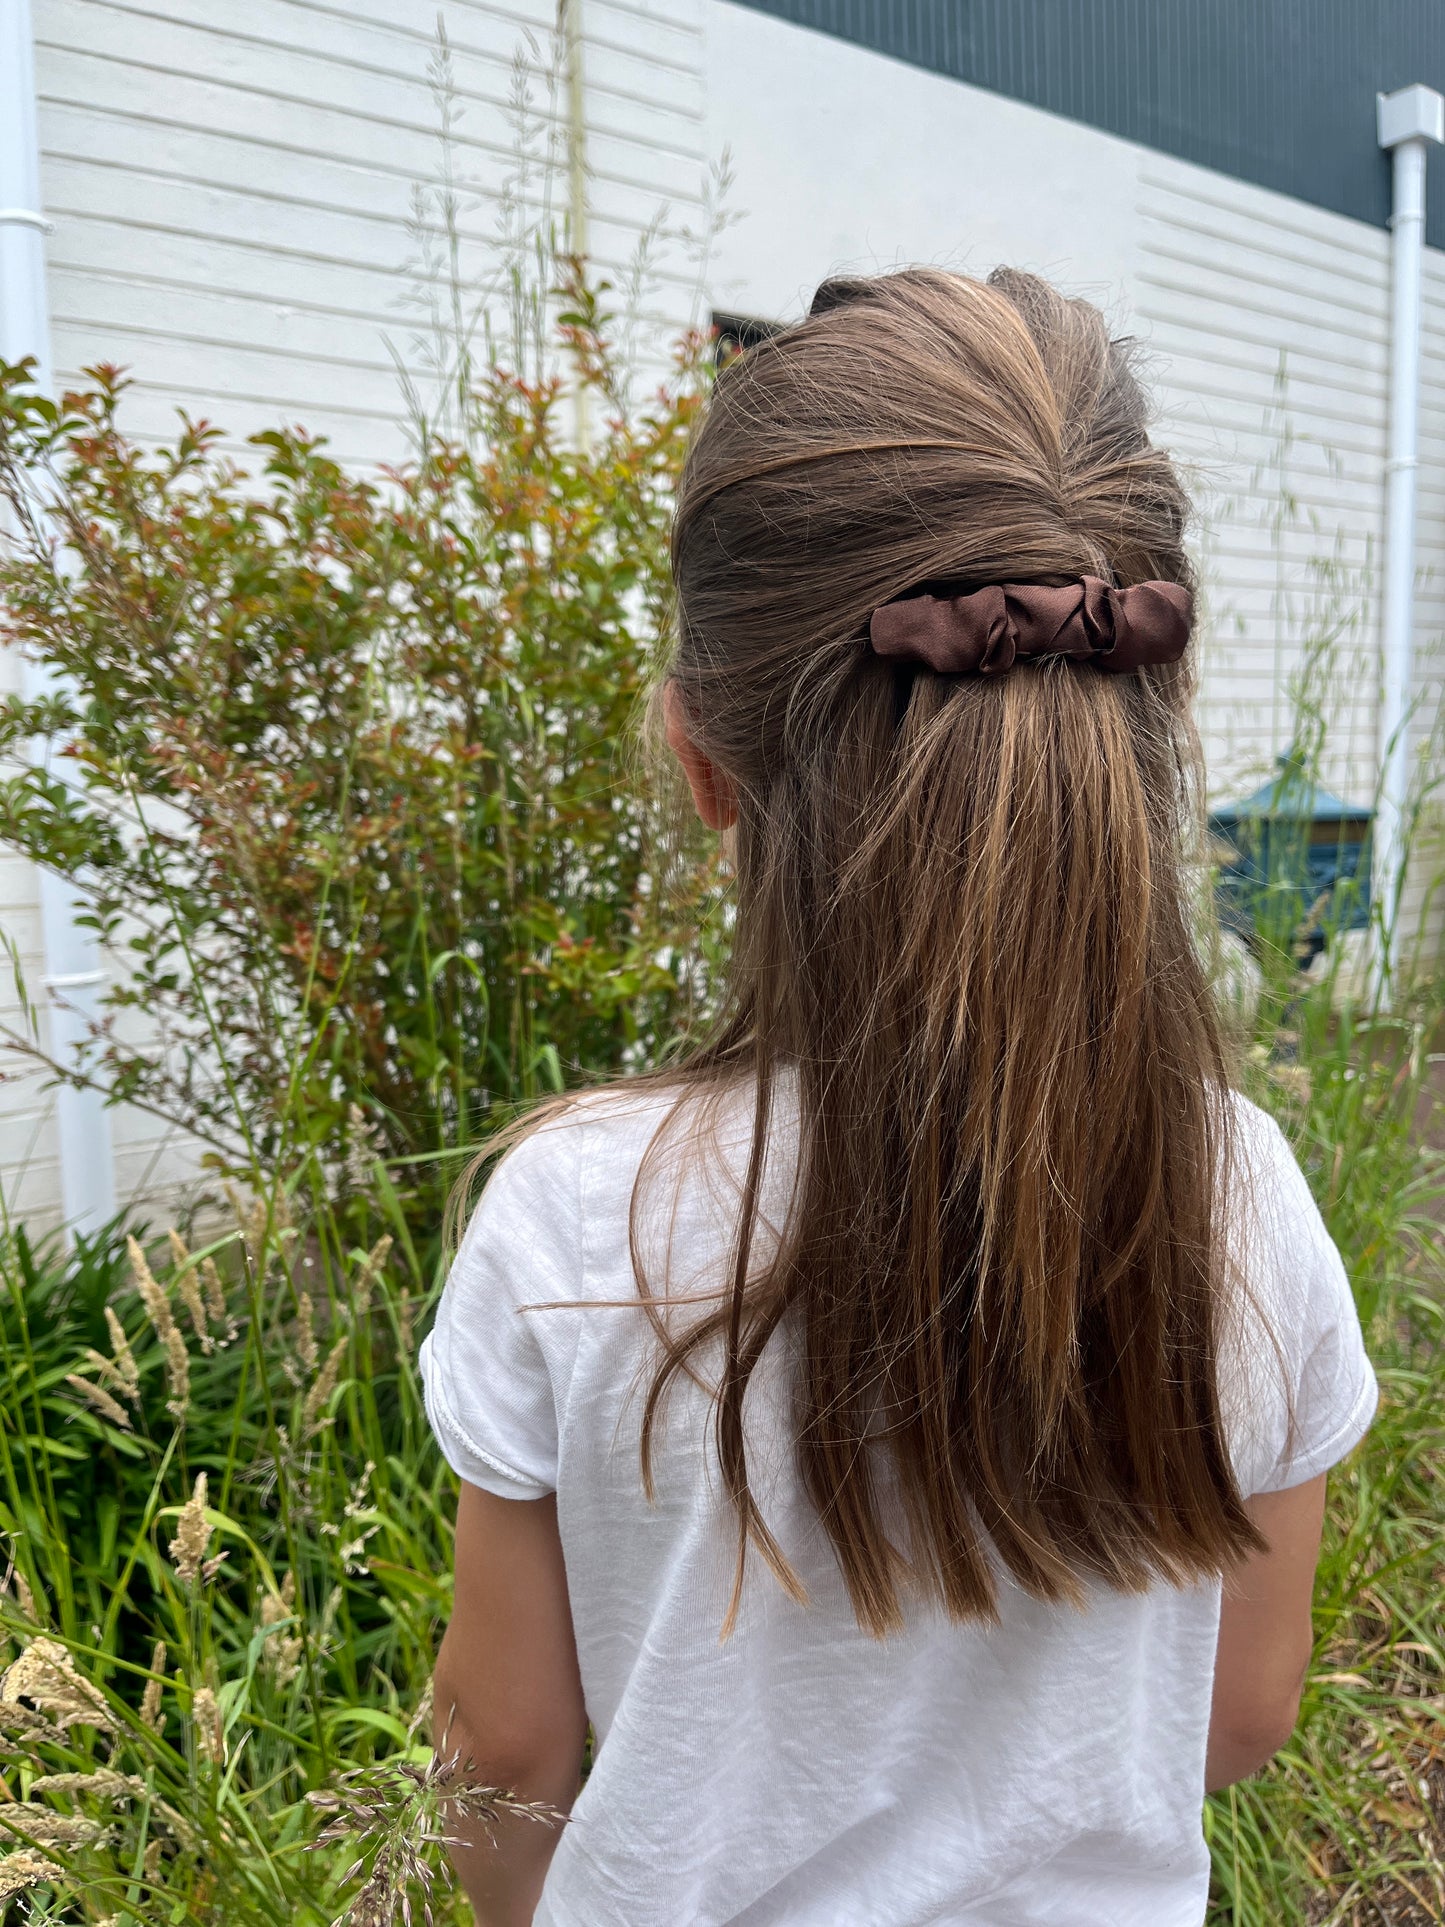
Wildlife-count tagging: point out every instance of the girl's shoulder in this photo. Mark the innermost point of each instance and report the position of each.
(1269, 1194)
(589, 1139)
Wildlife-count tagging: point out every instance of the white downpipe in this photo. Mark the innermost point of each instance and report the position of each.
(73, 974)
(569, 21)
(1407, 120)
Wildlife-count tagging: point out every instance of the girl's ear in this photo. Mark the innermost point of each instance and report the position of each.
(711, 791)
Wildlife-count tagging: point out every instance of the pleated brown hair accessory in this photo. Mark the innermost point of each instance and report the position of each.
(990, 630)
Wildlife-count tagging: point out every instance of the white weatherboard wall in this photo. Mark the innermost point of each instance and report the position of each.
(1265, 323)
(232, 190)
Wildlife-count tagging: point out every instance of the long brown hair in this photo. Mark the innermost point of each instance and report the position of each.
(962, 936)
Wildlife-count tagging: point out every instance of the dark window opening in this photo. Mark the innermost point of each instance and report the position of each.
(733, 333)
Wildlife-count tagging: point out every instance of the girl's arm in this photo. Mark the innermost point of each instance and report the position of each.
(1265, 1636)
(508, 1695)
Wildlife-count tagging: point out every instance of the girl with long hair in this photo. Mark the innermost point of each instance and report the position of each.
(899, 1427)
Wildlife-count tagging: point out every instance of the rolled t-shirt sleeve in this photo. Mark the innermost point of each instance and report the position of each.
(1314, 1342)
(489, 1364)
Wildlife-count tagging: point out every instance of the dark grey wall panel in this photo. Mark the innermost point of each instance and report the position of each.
(1280, 92)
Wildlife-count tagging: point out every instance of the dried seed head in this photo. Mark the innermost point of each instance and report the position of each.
(190, 1290)
(317, 1399)
(329, 1610)
(276, 1606)
(150, 1704)
(178, 1374)
(151, 1864)
(102, 1782)
(22, 1592)
(189, 1287)
(395, 1814)
(24, 1719)
(353, 1551)
(366, 1276)
(215, 1296)
(125, 1365)
(422, 1716)
(158, 1308)
(19, 1872)
(306, 1333)
(99, 1400)
(193, 1535)
(361, 1150)
(251, 1222)
(283, 1647)
(107, 1371)
(178, 1826)
(376, 1903)
(206, 1724)
(51, 1829)
(45, 1673)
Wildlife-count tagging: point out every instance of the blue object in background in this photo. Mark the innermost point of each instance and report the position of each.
(1300, 863)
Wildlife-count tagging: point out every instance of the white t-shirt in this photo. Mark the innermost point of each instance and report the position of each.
(1044, 1772)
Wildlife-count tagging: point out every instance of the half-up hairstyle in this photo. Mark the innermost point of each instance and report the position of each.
(963, 938)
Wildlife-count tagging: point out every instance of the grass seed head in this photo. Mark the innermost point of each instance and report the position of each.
(158, 1306)
(45, 1674)
(178, 1374)
(150, 1703)
(251, 1222)
(317, 1399)
(111, 1375)
(306, 1349)
(51, 1829)
(189, 1286)
(102, 1782)
(283, 1647)
(21, 1871)
(99, 1400)
(398, 1816)
(362, 1149)
(124, 1359)
(216, 1297)
(193, 1535)
(206, 1725)
(33, 1726)
(367, 1273)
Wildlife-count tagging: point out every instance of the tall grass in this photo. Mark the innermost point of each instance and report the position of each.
(1348, 1824)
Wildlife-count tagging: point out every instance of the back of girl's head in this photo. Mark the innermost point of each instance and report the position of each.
(962, 929)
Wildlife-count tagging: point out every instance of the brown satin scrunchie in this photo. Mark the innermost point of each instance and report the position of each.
(987, 632)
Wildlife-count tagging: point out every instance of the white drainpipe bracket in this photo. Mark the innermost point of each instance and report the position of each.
(1410, 113)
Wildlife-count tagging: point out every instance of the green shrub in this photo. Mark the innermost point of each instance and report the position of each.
(337, 759)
